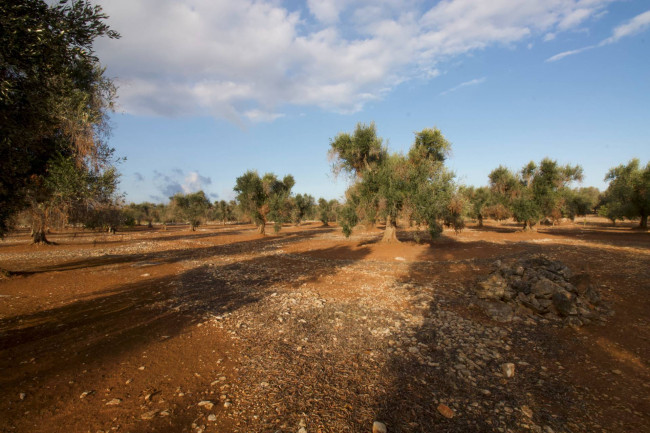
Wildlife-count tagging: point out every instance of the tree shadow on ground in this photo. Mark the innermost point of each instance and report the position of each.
(453, 331)
(117, 323)
(178, 255)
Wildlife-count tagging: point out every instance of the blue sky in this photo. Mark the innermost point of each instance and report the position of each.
(209, 89)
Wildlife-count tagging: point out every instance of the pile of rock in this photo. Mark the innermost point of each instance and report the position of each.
(540, 286)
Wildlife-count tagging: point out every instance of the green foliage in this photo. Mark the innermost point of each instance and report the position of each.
(535, 192)
(628, 193)
(357, 152)
(53, 94)
(580, 201)
(192, 208)
(265, 198)
(478, 200)
(327, 210)
(224, 211)
(303, 206)
(393, 183)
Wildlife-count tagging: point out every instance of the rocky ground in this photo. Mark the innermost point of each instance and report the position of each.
(224, 331)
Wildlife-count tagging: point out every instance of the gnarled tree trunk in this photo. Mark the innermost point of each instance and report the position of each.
(390, 233)
(261, 228)
(644, 222)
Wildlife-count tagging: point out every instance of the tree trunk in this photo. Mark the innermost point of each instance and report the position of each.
(644, 222)
(39, 237)
(261, 229)
(390, 234)
(480, 221)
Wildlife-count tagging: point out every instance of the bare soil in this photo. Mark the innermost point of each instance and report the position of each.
(306, 329)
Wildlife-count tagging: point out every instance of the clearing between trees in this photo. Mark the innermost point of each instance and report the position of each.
(223, 330)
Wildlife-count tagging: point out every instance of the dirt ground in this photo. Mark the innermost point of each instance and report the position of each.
(221, 330)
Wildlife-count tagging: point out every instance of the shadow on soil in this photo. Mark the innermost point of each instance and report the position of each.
(178, 255)
(123, 320)
(418, 387)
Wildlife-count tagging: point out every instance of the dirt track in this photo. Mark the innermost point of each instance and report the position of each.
(307, 329)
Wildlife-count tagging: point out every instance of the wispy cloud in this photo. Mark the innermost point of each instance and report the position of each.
(636, 25)
(564, 54)
(474, 82)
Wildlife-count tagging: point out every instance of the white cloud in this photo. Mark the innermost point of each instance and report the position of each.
(636, 25)
(241, 60)
(564, 54)
(195, 182)
(474, 82)
(549, 37)
(262, 116)
(178, 182)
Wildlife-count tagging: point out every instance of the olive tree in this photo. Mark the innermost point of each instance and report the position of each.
(192, 207)
(628, 193)
(264, 198)
(385, 184)
(537, 191)
(302, 207)
(327, 210)
(54, 96)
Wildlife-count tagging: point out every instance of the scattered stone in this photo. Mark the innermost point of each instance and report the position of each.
(206, 404)
(445, 411)
(85, 394)
(538, 285)
(114, 402)
(145, 275)
(619, 372)
(164, 413)
(149, 415)
(527, 411)
(379, 427)
(22, 396)
(212, 417)
(141, 368)
(508, 369)
(227, 404)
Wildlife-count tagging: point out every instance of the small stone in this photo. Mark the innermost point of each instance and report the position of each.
(206, 404)
(149, 415)
(85, 394)
(527, 411)
(445, 411)
(619, 372)
(114, 402)
(379, 427)
(227, 404)
(141, 368)
(145, 275)
(212, 417)
(302, 430)
(508, 369)
(22, 396)
(164, 413)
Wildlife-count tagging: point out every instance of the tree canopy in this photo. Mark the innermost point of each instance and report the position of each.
(53, 95)
(628, 193)
(537, 191)
(386, 184)
(264, 198)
